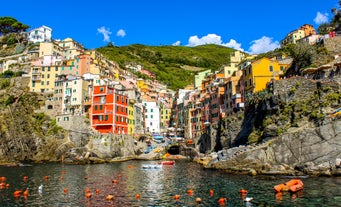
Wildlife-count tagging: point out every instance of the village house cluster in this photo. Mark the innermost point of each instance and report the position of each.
(76, 82)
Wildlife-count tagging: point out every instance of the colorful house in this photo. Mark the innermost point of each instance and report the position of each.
(259, 73)
(109, 112)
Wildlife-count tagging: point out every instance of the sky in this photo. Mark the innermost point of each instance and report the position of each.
(250, 26)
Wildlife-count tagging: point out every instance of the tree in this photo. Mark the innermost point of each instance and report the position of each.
(323, 29)
(10, 25)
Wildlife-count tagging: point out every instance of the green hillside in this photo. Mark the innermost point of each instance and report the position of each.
(173, 65)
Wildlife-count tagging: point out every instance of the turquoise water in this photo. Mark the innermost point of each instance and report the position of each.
(157, 187)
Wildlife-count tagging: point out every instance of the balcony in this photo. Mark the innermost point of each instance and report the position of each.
(100, 123)
(102, 112)
(36, 71)
(237, 95)
(36, 78)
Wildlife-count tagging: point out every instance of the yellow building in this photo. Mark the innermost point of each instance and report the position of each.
(165, 117)
(260, 72)
(50, 49)
(43, 78)
(140, 83)
(293, 37)
(71, 48)
(235, 58)
(131, 120)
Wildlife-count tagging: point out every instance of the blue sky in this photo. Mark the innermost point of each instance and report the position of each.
(251, 26)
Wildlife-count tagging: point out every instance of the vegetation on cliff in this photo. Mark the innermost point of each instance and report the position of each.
(173, 65)
(24, 134)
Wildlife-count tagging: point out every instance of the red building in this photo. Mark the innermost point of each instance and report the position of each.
(109, 113)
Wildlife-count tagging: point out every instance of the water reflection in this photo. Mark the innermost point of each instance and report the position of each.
(67, 184)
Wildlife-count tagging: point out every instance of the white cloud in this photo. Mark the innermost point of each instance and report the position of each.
(121, 33)
(321, 18)
(105, 32)
(213, 39)
(234, 44)
(177, 43)
(208, 39)
(263, 45)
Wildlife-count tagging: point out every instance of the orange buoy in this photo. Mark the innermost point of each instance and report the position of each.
(88, 195)
(87, 190)
(25, 178)
(46, 177)
(17, 193)
(2, 185)
(66, 190)
(2, 179)
(63, 172)
(97, 191)
(292, 185)
(222, 201)
(25, 192)
(198, 200)
(177, 197)
(243, 191)
(115, 181)
(7, 185)
(85, 177)
(211, 192)
(109, 197)
(138, 196)
(130, 166)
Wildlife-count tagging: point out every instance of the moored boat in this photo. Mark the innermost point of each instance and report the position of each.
(151, 166)
(170, 162)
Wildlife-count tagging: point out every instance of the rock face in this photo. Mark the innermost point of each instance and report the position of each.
(286, 130)
(307, 150)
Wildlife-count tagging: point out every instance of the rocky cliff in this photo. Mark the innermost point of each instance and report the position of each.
(286, 130)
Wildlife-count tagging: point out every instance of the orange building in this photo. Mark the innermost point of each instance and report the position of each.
(308, 29)
(109, 113)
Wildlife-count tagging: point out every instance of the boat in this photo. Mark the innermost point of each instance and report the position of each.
(293, 185)
(151, 166)
(170, 162)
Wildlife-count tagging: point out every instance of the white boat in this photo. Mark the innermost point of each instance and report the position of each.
(151, 166)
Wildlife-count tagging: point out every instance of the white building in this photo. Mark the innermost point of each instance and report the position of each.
(152, 117)
(75, 92)
(41, 34)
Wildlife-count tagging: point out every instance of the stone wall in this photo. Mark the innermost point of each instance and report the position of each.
(333, 45)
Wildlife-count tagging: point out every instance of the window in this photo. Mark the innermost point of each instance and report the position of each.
(100, 107)
(146, 116)
(42, 83)
(48, 75)
(48, 69)
(96, 107)
(282, 68)
(151, 110)
(151, 116)
(74, 90)
(106, 117)
(47, 82)
(271, 69)
(101, 89)
(66, 118)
